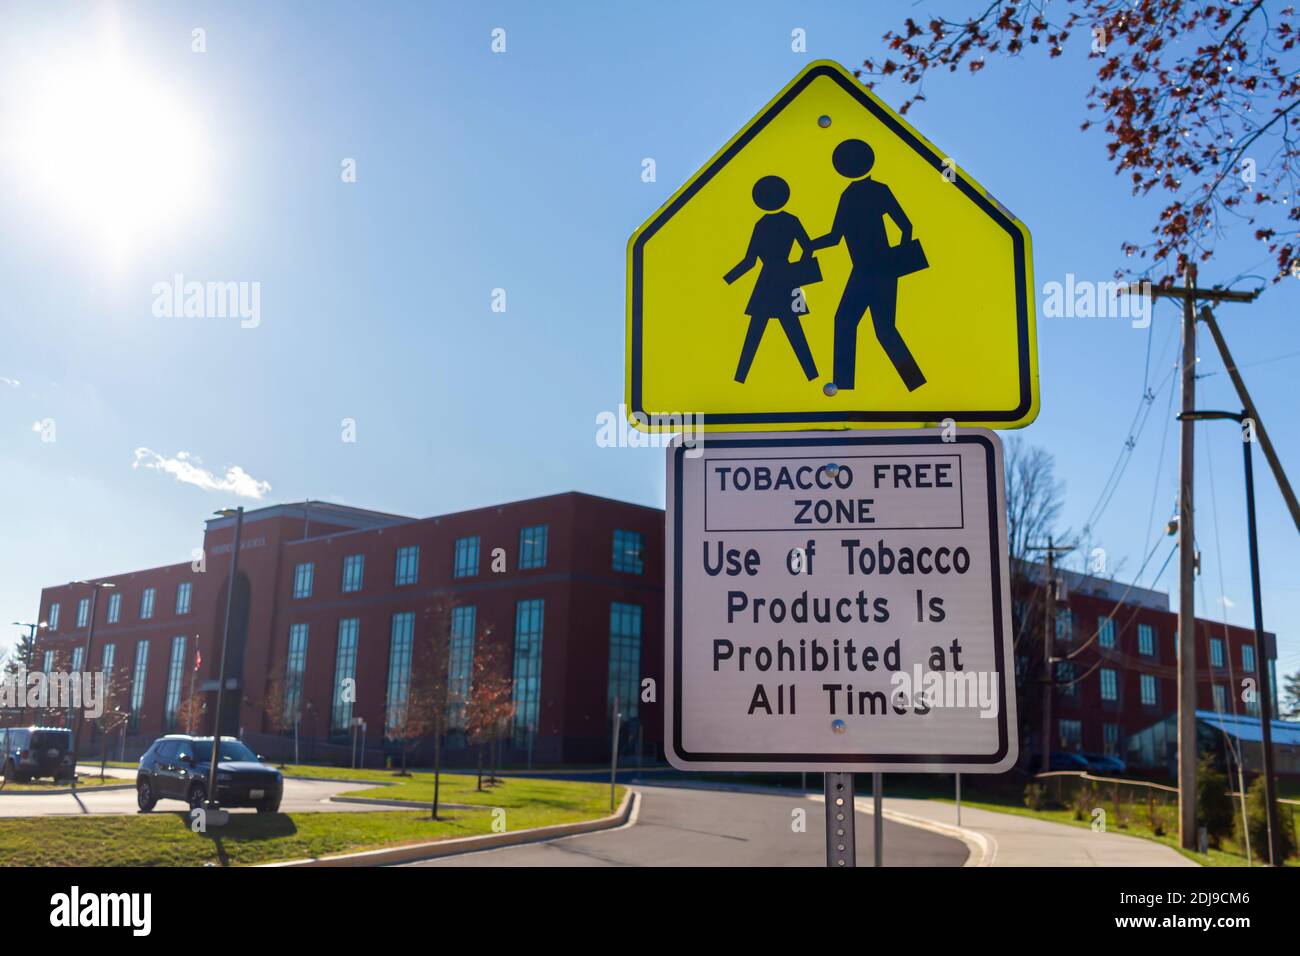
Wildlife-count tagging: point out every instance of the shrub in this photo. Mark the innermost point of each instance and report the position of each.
(1257, 821)
(1213, 801)
(1035, 799)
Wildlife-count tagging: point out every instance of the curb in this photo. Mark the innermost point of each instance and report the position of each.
(982, 848)
(429, 851)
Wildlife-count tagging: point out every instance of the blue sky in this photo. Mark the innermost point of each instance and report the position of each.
(478, 171)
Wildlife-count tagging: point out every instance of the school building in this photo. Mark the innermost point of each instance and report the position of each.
(340, 613)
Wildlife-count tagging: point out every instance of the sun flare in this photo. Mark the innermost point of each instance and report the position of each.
(111, 149)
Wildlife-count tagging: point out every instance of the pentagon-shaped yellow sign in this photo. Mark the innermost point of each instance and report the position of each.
(831, 268)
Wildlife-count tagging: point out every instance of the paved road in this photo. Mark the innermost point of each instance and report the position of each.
(299, 796)
(688, 827)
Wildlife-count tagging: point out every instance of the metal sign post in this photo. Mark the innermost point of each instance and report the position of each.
(841, 838)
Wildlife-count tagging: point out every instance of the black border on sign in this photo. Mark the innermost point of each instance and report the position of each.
(839, 758)
(961, 502)
(848, 416)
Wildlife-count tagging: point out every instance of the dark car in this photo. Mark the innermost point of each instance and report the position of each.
(177, 767)
(1104, 763)
(36, 752)
(1060, 761)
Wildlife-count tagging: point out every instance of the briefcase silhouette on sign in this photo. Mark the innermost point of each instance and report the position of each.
(805, 272)
(907, 257)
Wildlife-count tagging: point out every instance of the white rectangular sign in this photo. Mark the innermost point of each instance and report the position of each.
(839, 601)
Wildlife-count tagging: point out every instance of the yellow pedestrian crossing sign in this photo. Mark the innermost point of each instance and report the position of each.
(831, 268)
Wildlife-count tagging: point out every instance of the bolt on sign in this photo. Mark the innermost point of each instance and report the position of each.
(831, 268)
(839, 602)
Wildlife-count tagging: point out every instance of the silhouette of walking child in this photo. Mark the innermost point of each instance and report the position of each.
(877, 266)
(776, 291)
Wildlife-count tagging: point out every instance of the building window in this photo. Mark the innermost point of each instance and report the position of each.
(1248, 658)
(532, 547)
(529, 619)
(1146, 640)
(1150, 698)
(399, 668)
(408, 565)
(1106, 632)
(1071, 732)
(1220, 698)
(1216, 652)
(1110, 739)
(137, 682)
(114, 607)
(302, 578)
(345, 667)
(1065, 625)
(78, 655)
(146, 604)
(295, 666)
(629, 551)
(624, 659)
(83, 612)
(466, 562)
(54, 617)
(47, 662)
(354, 571)
(106, 663)
(175, 677)
(1109, 684)
(184, 591)
(1065, 682)
(460, 666)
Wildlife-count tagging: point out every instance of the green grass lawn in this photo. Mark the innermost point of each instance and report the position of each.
(164, 839)
(509, 792)
(45, 784)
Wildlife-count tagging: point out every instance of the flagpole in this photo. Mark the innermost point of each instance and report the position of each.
(189, 717)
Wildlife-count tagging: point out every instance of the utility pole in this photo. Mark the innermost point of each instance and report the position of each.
(1186, 643)
(1049, 635)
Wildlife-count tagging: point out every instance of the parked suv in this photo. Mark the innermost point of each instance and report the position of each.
(177, 767)
(36, 752)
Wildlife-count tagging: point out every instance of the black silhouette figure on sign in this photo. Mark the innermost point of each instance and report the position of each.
(877, 266)
(776, 292)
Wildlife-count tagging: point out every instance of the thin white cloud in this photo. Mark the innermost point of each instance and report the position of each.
(11, 382)
(189, 469)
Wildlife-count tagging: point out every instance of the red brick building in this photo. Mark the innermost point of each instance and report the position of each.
(338, 612)
(1116, 665)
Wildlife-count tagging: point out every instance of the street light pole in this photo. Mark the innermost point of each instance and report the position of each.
(238, 514)
(22, 696)
(1261, 658)
(1261, 663)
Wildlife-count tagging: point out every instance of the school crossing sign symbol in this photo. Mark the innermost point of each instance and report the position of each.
(830, 268)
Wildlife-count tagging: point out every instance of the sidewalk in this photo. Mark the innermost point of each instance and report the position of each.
(1015, 840)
